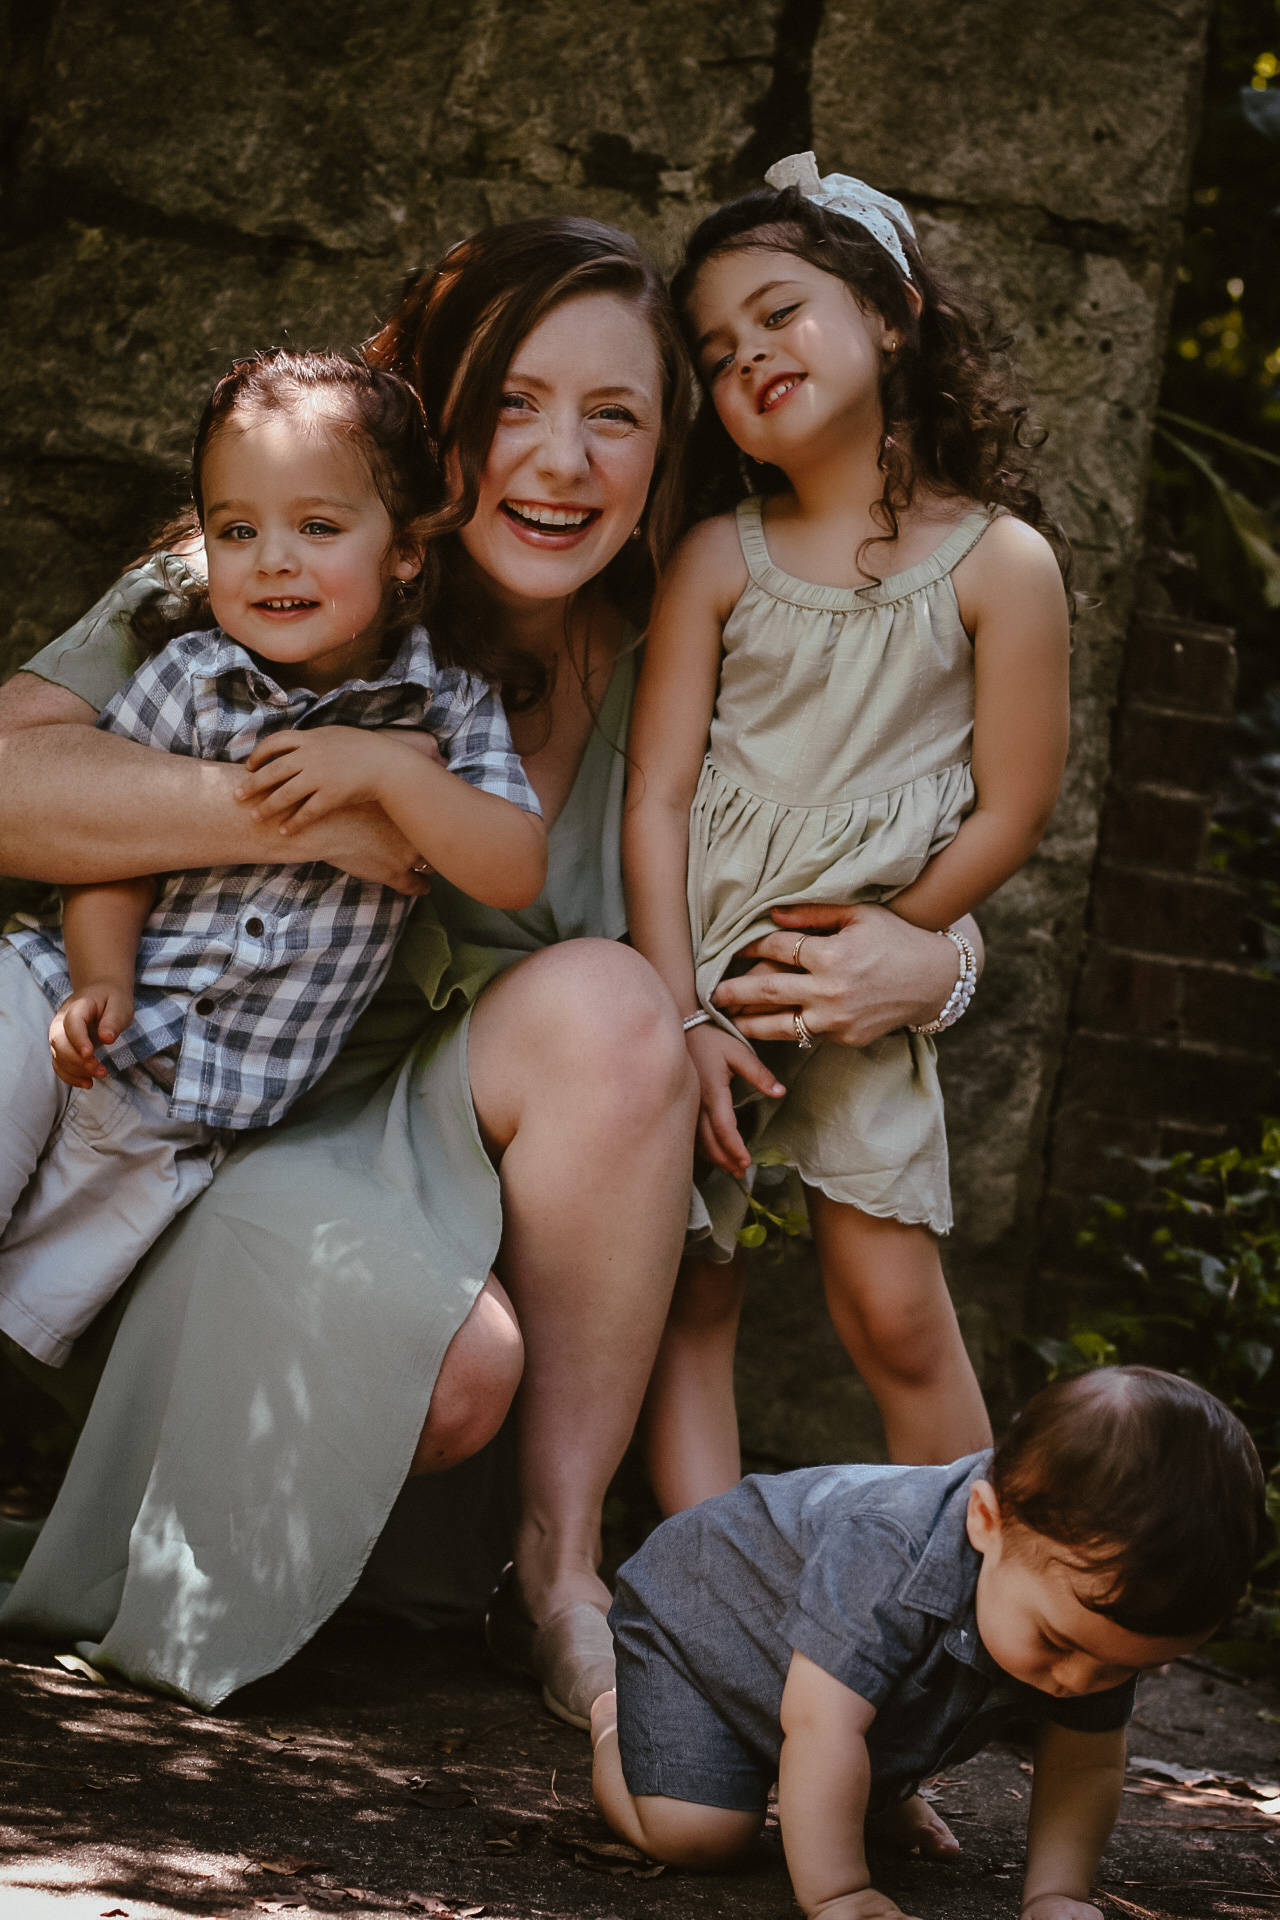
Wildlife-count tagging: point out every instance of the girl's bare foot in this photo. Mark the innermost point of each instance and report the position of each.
(914, 1827)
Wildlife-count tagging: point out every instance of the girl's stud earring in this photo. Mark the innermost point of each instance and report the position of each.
(636, 531)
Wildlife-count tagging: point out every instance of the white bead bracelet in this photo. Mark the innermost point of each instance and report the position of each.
(962, 992)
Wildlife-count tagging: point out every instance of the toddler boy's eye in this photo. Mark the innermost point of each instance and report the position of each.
(317, 527)
(240, 530)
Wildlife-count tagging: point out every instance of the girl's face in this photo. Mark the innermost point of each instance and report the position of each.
(791, 360)
(302, 552)
(569, 466)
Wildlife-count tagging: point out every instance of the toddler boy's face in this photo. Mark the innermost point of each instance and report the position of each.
(1033, 1613)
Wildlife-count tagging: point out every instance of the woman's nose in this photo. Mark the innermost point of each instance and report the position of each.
(562, 451)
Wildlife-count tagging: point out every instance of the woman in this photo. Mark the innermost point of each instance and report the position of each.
(326, 1320)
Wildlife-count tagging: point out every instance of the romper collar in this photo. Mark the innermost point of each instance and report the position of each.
(945, 1577)
(222, 658)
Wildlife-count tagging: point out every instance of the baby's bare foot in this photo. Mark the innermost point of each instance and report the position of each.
(914, 1827)
(604, 1716)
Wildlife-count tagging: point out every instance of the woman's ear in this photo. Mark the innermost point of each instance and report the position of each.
(984, 1522)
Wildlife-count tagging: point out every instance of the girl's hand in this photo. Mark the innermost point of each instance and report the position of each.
(298, 778)
(717, 1056)
(862, 973)
(91, 1017)
(1059, 1906)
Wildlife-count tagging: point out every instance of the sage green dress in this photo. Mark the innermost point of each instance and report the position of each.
(264, 1393)
(837, 767)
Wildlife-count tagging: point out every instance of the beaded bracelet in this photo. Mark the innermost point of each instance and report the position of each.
(962, 992)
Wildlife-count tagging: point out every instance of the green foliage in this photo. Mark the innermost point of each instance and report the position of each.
(781, 1224)
(1192, 1284)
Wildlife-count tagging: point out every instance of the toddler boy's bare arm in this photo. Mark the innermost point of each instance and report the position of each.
(824, 1779)
(1075, 1798)
(101, 927)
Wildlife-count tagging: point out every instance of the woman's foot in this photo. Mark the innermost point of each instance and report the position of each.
(570, 1653)
(913, 1827)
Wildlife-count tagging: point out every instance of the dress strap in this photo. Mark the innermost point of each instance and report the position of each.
(755, 550)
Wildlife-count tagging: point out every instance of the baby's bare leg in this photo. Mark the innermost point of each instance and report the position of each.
(679, 1831)
(889, 1302)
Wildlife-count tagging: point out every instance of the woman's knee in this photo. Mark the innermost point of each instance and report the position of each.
(476, 1384)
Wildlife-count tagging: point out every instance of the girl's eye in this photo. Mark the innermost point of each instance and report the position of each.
(717, 367)
(238, 531)
(780, 314)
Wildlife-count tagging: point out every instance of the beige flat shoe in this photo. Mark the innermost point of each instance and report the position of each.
(570, 1655)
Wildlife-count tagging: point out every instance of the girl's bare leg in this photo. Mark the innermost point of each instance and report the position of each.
(682, 1831)
(586, 1100)
(690, 1421)
(890, 1306)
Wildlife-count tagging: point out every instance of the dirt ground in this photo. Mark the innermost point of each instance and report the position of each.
(386, 1772)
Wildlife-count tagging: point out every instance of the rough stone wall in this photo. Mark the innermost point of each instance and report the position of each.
(187, 179)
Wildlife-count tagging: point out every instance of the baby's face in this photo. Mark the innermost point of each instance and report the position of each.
(301, 548)
(1034, 1618)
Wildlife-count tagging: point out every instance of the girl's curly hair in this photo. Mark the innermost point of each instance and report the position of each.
(954, 415)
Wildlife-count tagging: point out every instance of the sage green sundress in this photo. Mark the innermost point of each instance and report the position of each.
(263, 1396)
(837, 766)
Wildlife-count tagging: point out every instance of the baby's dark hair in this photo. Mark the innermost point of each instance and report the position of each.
(1146, 1477)
(376, 411)
(954, 414)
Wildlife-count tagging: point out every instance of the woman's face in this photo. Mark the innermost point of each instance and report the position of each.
(570, 463)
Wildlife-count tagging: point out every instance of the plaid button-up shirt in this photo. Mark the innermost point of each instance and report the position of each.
(255, 975)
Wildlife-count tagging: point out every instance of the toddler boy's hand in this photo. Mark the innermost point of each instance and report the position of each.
(91, 1017)
(867, 1904)
(717, 1056)
(297, 778)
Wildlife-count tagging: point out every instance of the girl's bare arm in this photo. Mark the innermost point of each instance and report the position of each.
(675, 699)
(80, 806)
(1012, 601)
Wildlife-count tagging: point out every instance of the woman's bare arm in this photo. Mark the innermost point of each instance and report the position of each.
(79, 806)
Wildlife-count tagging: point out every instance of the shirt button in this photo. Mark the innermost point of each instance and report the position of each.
(254, 928)
(204, 1006)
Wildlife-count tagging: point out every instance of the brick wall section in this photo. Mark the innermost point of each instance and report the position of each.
(1175, 1040)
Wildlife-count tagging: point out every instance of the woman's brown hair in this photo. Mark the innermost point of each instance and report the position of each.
(953, 414)
(452, 337)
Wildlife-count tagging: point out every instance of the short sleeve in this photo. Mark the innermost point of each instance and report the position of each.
(846, 1616)
(1095, 1712)
(475, 739)
(156, 706)
(95, 657)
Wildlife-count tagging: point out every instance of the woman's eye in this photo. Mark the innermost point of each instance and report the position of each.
(515, 403)
(621, 416)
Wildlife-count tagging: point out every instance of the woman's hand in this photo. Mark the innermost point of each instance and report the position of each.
(717, 1057)
(92, 1016)
(862, 972)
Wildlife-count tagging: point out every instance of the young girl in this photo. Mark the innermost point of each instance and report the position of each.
(202, 1004)
(854, 690)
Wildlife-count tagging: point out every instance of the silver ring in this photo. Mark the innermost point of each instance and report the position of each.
(795, 951)
(804, 1039)
(423, 866)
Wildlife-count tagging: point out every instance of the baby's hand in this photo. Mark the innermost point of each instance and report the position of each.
(867, 1904)
(299, 777)
(1059, 1906)
(91, 1017)
(717, 1056)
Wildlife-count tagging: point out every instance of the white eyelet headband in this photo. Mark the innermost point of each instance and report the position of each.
(885, 219)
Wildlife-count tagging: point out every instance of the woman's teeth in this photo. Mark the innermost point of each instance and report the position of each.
(548, 516)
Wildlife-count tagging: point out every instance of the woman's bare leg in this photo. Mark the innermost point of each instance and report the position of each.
(586, 1099)
(890, 1306)
(475, 1386)
(690, 1421)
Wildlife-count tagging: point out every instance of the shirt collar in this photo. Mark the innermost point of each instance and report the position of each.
(414, 665)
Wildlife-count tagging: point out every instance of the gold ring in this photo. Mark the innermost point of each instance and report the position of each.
(795, 951)
(804, 1039)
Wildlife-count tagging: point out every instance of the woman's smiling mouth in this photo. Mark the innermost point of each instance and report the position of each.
(776, 390)
(545, 520)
